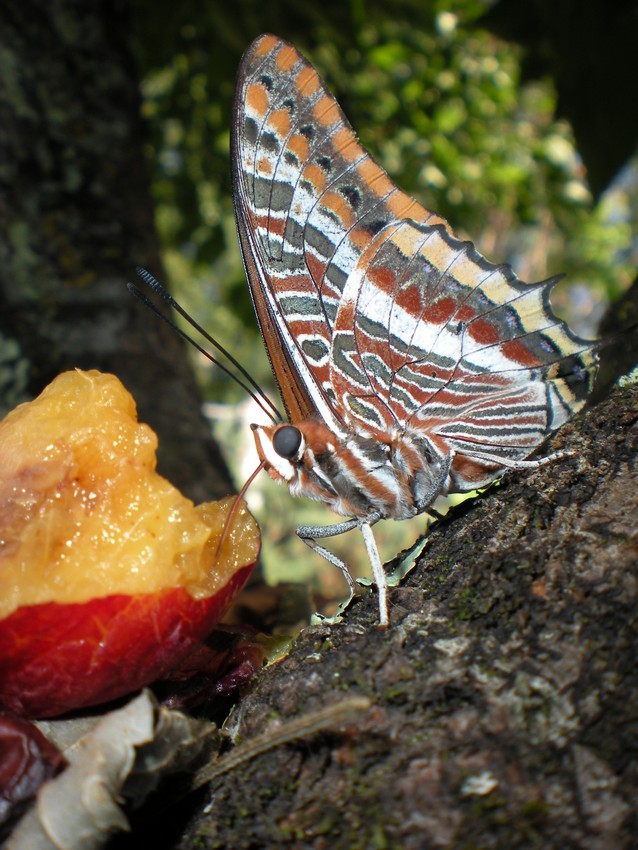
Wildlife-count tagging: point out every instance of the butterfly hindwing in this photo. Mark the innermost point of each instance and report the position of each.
(433, 338)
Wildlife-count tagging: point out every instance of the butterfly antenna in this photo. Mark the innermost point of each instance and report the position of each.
(233, 509)
(254, 390)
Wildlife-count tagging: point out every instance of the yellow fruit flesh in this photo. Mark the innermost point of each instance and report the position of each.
(84, 514)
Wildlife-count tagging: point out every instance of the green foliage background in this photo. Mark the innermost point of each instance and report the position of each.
(435, 98)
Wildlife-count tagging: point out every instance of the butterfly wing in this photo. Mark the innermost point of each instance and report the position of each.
(432, 338)
(308, 201)
(375, 315)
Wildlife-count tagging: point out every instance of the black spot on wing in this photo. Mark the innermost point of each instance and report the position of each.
(373, 227)
(269, 142)
(352, 195)
(266, 81)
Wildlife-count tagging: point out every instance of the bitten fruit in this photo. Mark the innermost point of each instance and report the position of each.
(108, 575)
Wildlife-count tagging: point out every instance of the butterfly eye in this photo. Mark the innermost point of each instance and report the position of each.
(286, 441)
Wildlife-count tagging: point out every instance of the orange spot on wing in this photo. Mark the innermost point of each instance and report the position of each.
(326, 111)
(298, 144)
(483, 332)
(465, 313)
(265, 44)
(264, 166)
(287, 58)
(316, 176)
(383, 277)
(403, 206)
(515, 350)
(316, 268)
(345, 316)
(360, 238)
(375, 177)
(257, 98)
(276, 226)
(339, 206)
(409, 299)
(346, 145)
(279, 120)
(307, 81)
(440, 312)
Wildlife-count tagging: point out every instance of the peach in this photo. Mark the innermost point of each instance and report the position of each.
(108, 575)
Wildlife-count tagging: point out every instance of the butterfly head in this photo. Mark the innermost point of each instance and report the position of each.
(302, 457)
(280, 448)
(289, 452)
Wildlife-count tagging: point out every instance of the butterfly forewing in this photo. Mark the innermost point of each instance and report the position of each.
(308, 201)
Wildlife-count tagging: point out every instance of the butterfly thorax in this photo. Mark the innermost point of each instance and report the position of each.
(357, 474)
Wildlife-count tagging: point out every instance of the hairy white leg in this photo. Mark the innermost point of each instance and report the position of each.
(378, 572)
(520, 464)
(331, 558)
(313, 531)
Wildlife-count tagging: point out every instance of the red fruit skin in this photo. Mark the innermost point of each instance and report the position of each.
(56, 658)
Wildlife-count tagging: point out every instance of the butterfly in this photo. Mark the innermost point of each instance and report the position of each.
(409, 366)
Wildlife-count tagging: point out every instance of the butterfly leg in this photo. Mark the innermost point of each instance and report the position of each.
(333, 559)
(535, 463)
(561, 454)
(309, 535)
(378, 573)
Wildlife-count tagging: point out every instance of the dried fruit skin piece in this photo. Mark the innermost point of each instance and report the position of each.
(27, 760)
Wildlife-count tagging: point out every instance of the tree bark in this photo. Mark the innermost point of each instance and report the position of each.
(504, 693)
(76, 217)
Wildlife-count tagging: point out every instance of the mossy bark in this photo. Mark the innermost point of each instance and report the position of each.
(504, 693)
(76, 217)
